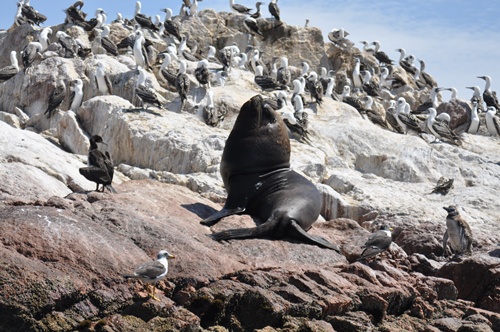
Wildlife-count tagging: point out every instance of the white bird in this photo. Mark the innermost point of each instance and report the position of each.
(11, 70)
(76, 96)
(101, 17)
(102, 80)
(492, 122)
(140, 56)
(356, 74)
(473, 126)
(43, 38)
(151, 272)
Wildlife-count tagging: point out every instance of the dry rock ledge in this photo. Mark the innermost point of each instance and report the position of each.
(63, 247)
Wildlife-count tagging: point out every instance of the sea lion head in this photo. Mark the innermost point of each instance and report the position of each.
(258, 142)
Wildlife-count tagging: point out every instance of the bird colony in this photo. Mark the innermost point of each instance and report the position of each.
(162, 69)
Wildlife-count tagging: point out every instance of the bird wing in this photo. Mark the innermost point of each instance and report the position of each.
(147, 95)
(379, 239)
(151, 270)
(71, 97)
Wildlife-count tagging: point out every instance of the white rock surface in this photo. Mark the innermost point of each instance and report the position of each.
(34, 168)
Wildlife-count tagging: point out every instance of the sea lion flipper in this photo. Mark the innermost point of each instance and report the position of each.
(217, 216)
(313, 239)
(242, 233)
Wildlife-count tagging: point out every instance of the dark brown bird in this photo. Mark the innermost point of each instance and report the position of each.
(100, 166)
(443, 186)
(56, 98)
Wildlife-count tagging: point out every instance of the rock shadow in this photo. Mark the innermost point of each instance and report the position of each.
(201, 210)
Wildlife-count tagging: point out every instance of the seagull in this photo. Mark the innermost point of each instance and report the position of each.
(152, 272)
(100, 166)
(76, 96)
(56, 98)
(102, 80)
(378, 242)
(11, 70)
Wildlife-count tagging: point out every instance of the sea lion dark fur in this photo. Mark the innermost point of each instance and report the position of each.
(255, 168)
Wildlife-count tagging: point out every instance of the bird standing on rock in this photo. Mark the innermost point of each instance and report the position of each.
(100, 166)
(458, 233)
(378, 242)
(56, 98)
(152, 272)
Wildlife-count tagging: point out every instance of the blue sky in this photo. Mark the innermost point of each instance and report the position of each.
(458, 39)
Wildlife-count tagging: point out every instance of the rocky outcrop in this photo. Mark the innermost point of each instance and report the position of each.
(64, 248)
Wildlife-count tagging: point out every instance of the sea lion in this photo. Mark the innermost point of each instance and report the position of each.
(255, 168)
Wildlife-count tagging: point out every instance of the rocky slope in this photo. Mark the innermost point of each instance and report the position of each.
(64, 248)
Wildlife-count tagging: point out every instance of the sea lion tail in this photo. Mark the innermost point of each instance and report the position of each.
(313, 239)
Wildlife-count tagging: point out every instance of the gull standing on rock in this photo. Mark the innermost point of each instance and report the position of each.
(11, 70)
(102, 80)
(378, 242)
(152, 272)
(76, 96)
(56, 98)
